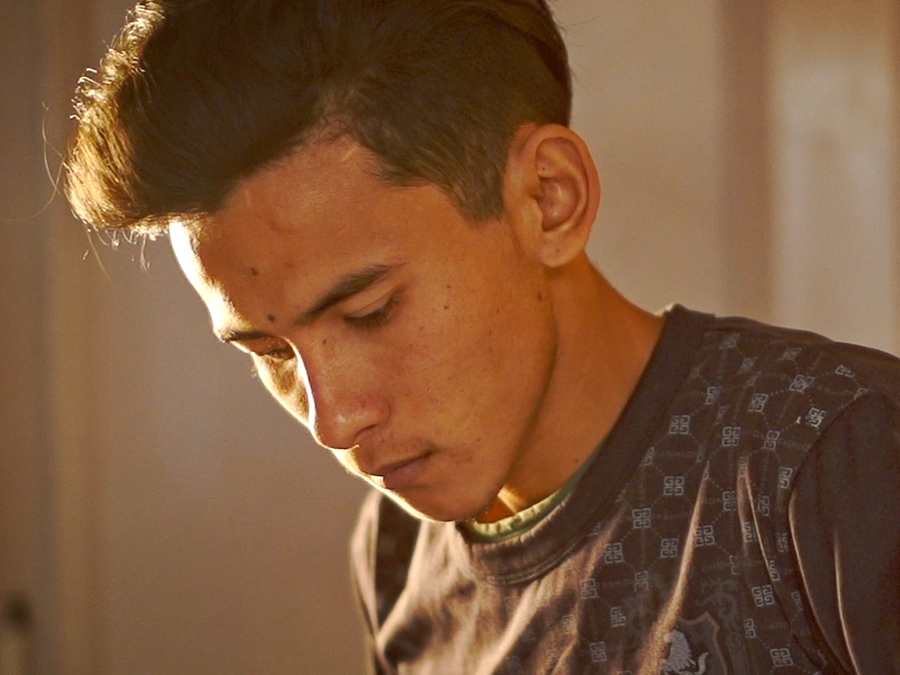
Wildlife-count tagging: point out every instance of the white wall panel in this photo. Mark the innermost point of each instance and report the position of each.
(834, 109)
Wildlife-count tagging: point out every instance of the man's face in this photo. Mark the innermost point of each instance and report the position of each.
(415, 345)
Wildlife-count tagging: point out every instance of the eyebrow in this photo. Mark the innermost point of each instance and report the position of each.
(346, 287)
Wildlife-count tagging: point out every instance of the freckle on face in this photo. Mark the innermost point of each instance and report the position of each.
(272, 318)
(254, 271)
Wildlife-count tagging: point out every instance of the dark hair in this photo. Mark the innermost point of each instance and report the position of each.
(195, 95)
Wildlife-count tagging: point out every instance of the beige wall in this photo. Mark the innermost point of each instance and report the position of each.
(748, 153)
(648, 90)
(164, 516)
(21, 443)
(835, 119)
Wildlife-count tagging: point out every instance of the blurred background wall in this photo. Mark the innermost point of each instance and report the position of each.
(159, 514)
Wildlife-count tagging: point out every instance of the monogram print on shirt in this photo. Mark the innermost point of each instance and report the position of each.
(736, 436)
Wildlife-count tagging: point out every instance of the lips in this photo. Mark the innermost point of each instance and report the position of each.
(398, 475)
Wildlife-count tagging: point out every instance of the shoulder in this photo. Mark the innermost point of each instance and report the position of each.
(800, 372)
(790, 395)
(772, 345)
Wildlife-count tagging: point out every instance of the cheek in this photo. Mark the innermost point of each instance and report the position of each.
(449, 355)
(283, 382)
(488, 354)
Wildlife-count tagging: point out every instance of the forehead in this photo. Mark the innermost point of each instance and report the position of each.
(317, 201)
(318, 214)
(322, 181)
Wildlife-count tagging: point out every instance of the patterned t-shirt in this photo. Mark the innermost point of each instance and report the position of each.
(743, 516)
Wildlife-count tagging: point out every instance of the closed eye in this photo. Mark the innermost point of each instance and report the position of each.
(374, 318)
(269, 350)
(283, 353)
(270, 360)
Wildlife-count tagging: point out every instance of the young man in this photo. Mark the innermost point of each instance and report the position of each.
(382, 203)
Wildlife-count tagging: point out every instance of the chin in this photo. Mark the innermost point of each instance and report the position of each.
(437, 511)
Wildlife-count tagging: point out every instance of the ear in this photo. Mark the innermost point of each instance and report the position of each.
(553, 187)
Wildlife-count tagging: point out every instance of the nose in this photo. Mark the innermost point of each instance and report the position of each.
(344, 398)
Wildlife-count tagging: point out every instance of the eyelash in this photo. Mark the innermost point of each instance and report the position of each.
(270, 359)
(377, 318)
(277, 354)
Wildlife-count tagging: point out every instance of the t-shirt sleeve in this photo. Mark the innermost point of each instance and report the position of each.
(381, 549)
(362, 567)
(845, 524)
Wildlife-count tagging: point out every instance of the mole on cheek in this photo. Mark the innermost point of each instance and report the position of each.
(272, 318)
(254, 271)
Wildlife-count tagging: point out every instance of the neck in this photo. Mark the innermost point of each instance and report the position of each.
(604, 344)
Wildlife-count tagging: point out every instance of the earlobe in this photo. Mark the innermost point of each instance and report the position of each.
(560, 181)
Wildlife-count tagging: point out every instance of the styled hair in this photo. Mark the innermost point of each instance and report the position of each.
(195, 95)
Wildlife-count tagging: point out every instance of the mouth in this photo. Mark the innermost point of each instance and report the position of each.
(398, 475)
